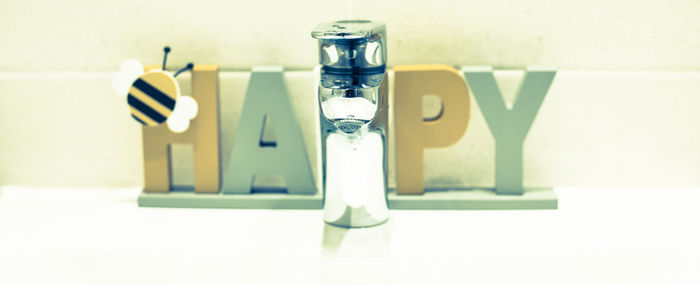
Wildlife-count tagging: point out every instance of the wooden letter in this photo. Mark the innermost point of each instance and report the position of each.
(251, 154)
(203, 134)
(509, 127)
(413, 133)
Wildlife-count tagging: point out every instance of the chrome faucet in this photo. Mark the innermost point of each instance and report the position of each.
(352, 96)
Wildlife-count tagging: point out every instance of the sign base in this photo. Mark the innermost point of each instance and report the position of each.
(475, 199)
(464, 199)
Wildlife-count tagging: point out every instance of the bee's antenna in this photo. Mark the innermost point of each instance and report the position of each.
(166, 49)
(188, 67)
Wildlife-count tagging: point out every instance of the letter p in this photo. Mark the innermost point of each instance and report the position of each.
(413, 132)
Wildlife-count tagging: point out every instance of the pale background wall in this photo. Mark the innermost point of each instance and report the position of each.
(621, 112)
(595, 34)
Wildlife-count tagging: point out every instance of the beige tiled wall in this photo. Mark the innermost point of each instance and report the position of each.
(621, 112)
(596, 34)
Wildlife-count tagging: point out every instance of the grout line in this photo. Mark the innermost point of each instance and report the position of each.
(102, 74)
(294, 69)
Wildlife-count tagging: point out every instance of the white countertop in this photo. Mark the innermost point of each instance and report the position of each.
(100, 236)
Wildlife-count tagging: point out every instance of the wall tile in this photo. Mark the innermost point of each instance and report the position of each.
(597, 34)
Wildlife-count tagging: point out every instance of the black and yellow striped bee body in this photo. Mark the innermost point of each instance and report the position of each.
(152, 97)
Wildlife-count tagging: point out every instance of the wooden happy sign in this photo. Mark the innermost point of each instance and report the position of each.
(509, 127)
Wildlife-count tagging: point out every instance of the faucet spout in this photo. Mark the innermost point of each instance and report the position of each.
(353, 106)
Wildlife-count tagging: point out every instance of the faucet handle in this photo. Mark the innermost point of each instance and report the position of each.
(349, 45)
(349, 29)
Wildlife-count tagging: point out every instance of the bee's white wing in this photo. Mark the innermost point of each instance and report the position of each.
(178, 125)
(185, 110)
(130, 70)
(188, 107)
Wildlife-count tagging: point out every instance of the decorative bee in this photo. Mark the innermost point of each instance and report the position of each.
(154, 96)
